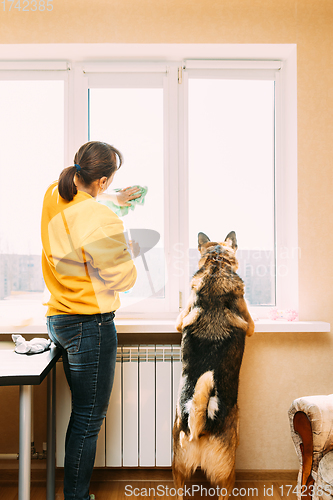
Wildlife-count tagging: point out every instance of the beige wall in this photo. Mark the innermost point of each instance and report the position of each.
(277, 367)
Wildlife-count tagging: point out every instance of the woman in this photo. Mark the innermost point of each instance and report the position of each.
(85, 263)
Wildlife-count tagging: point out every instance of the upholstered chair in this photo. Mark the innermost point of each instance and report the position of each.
(311, 424)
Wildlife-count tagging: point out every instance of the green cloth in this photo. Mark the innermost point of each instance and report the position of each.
(121, 211)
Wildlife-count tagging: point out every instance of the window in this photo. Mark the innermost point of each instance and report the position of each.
(128, 112)
(238, 172)
(213, 140)
(231, 165)
(31, 157)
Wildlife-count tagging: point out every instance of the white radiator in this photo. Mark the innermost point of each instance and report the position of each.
(138, 426)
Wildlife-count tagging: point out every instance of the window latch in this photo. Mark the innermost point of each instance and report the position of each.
(180, 75)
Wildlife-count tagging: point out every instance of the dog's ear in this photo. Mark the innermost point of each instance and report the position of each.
(202, 239)
(231, 240)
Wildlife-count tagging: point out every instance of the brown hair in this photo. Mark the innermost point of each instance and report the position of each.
(94, 160)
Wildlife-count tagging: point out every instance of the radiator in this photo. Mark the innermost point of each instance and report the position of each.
(142, 406)
(138, 427)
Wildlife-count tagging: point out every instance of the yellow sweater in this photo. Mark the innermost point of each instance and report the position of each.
(85, 259)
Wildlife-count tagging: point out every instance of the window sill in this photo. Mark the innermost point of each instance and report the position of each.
(261, 326)
(139, 326)
(281, 326)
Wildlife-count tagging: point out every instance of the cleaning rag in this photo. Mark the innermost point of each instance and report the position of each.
(33, 346)
(121, 211)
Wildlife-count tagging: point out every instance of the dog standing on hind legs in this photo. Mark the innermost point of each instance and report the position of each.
(214, 325)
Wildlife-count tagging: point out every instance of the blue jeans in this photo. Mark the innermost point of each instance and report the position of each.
(89, 349)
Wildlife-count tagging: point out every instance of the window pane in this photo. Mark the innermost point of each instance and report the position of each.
(31, 157)
(131, 119)
(231, 175)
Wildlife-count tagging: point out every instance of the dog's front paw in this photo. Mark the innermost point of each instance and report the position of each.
(250, 327)
(179, 322)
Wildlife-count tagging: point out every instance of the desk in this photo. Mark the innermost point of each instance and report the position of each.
(27, 370)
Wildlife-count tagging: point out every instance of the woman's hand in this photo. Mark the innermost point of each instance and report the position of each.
(127, 194)
(122, 197)
(134, 248)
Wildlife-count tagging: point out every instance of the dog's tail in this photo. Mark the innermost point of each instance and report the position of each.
(202, 404)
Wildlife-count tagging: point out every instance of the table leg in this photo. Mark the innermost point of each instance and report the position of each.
(51, 441)
(25, 443)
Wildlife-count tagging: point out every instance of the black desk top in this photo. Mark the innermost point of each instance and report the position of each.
(25, 369)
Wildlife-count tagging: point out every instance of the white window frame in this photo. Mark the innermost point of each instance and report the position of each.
(286, 247)
(144, 75)
(36, 71)
(130, 57)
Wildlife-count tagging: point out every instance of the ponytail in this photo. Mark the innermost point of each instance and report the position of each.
(66, 186)
(92, 161)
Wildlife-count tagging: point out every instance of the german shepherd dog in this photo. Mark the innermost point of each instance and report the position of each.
(214, 325)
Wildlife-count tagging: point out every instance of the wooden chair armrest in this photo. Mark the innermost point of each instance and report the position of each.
(302, 426)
